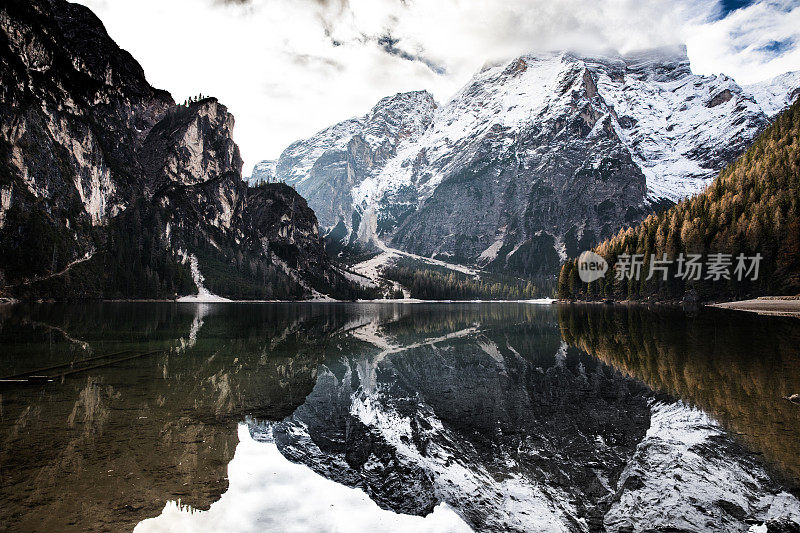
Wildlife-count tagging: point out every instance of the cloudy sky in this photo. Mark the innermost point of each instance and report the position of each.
(288, 68)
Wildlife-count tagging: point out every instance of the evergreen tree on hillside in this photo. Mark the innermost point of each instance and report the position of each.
(752, 207)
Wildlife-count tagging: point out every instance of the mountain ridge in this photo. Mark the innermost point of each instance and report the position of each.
(111, 190)
(498, 136)
(747, 219)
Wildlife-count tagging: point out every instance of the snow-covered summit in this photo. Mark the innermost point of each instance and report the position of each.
(263, 171)
(501, 97)
(327, 165)
(542, 150)
(297, 159)
(400, 117)
(776, 94)
(679, 127)
(393, 118)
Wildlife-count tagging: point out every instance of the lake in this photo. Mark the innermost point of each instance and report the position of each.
(399, 417)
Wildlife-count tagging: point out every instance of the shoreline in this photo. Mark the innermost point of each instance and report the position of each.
(194, 301)
(765, 305)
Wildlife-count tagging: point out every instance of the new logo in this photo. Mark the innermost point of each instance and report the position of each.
(591, 267)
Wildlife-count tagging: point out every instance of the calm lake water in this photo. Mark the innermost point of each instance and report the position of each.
(425, 417)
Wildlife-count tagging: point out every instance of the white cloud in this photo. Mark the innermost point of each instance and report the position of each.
(287, 68)
(738, 45)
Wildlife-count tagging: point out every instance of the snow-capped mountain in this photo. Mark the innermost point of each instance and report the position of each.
(777, 93)
(263, 172)
(330, 164)
(533, 159)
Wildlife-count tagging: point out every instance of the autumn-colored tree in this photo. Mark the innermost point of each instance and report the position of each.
(751, 207)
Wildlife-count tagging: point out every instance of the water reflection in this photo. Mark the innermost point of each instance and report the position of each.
(493, 417)
(107, 448)
(736, 366)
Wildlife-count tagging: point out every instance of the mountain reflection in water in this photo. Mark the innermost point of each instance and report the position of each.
(354, 416)
(738, 367)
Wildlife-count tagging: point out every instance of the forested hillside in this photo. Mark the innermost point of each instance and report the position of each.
(751, 208)
(429, 284)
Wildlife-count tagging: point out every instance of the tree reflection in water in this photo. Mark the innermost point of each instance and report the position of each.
(736, 366)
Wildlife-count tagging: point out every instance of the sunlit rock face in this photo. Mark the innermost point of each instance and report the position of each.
(193, 172)
(517, 434)
(84, 139)
(190, 154)
(534, 158)
(74, 109)
(192, 144)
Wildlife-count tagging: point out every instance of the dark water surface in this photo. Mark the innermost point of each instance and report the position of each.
(424, 417)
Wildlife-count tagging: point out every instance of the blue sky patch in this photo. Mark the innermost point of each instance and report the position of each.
(729, 6)
(777, 48)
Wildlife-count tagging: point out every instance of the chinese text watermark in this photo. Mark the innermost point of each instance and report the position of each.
(689, 267)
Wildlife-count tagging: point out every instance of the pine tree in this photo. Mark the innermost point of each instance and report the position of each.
(752, 207)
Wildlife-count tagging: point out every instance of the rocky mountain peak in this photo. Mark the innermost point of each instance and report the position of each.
(109, 189)
(776, 94)
(414, 101)
(192, 144)
(533, 157)
(397, 118)
(263, 172)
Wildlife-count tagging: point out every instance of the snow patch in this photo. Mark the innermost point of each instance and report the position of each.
(774, 95)
(263, 171)
(372, 267)
(203, 294)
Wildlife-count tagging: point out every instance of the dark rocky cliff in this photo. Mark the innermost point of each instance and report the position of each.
(101, 175)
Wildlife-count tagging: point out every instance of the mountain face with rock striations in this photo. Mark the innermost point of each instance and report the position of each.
(749, 216)
(328, 167)
(533, 160)
(109, 189)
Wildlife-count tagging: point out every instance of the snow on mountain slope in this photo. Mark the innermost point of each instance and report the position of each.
(325, 167)
(681, 128)
(549, 151)
(777, 93)
(296, 161)
(394, 118)
(398, 119)
(496, 97)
